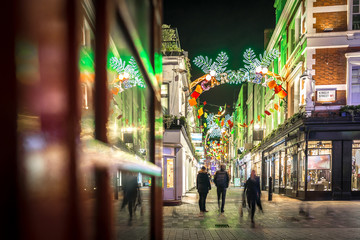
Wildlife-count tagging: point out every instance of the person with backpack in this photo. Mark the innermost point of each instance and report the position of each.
(221, 180)
(203, 186)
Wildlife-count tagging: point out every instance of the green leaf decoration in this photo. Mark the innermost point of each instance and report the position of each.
(268, 57)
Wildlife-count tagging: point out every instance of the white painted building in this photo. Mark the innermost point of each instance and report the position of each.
(179, 164)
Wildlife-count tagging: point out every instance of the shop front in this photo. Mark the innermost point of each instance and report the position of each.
(274, 162)
(313, 161)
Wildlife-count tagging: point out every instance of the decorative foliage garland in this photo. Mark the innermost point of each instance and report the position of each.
(129, 75)
(255, 70)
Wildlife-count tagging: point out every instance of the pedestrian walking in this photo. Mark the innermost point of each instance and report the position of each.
(131, 193)
(253, 194)
(203, 186)
(221, 180)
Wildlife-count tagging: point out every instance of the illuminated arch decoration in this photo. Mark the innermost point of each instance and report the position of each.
(129, 75)
(218, 126)
(255, 71)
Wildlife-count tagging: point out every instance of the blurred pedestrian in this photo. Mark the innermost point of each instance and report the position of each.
(203, 186)
(131, 191)
(221, 180)
(253, 194)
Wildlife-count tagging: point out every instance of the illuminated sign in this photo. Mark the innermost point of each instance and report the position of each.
(196, 137)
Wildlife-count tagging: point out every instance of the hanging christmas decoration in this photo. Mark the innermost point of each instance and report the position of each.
(192, 102)
(129, 75)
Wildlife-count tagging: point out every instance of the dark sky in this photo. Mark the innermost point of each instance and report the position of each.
(207, 27)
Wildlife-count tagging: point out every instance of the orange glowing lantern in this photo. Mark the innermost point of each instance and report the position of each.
(276, 107)
(277, 89)
(115, 90)
(272, 84)
(282, 94)
(192, 102)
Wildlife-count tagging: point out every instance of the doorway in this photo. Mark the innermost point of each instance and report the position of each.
(169, 178)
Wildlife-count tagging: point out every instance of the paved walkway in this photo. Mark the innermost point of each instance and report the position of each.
(281, 219)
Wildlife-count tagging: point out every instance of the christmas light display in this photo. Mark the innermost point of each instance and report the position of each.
(129, 74)
(255, 70)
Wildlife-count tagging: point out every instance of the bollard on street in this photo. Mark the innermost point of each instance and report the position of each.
(270, 189)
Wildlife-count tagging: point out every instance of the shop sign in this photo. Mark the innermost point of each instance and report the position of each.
(326, 95)
(196, 137)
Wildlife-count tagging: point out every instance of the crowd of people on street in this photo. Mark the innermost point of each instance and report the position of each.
(251, 196)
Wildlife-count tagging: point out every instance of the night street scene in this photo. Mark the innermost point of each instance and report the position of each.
(191, 119)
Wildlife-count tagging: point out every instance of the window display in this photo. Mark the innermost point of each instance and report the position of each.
(282, 169)
(319, 166)
(276, 165)
(302, 168)
(289, 170)
(355, 177)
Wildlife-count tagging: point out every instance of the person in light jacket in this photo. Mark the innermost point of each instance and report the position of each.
(203, 186)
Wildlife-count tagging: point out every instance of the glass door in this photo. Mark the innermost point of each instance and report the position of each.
(169, 178)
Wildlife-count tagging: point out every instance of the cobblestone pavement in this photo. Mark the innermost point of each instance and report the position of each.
(281, 219)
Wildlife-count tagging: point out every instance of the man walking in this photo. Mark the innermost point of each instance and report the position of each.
(221, 180)
(203, 186)
(252, 190)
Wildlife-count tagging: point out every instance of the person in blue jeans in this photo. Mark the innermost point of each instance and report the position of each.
(221, 180)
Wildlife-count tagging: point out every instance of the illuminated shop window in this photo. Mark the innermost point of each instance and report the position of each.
(319, 166)
(282, 169)
(276, 164)
(355, 176)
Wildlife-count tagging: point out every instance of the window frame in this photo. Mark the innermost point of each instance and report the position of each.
(351, 15)
(166, 96)
(353, 59)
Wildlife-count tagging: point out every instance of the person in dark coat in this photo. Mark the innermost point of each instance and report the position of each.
(203, 186)
(253, 193)
(221, 180)
(131, 190)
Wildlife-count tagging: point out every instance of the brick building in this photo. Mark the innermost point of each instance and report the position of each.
(311, 146)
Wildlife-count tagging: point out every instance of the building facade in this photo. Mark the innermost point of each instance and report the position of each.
(180, 164)
(310, 145)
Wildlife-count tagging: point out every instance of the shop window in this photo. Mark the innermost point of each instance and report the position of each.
(301, 167)
(282, 170)
(289, 171)
(276, 165)
(319, 166)
(170, 173)
(355, 177)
